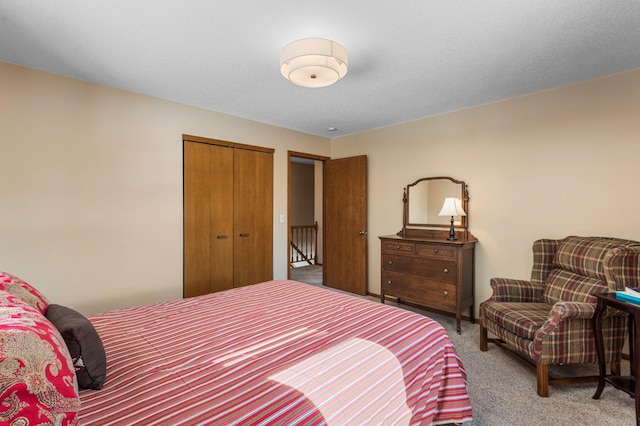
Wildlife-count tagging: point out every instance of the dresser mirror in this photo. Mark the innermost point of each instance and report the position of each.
(424, 198)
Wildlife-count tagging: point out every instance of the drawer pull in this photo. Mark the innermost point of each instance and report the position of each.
(389, 282)
(398, 248)
(446, 270)
(446, 293)
(391, 262)
(435, 250)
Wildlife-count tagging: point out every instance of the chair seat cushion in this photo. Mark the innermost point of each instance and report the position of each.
(521, 319)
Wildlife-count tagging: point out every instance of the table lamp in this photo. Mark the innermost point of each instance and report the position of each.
(452, 207)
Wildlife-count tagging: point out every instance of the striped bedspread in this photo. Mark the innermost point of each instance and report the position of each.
(275, 353)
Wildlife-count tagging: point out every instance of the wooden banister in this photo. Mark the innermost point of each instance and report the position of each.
(303, 243)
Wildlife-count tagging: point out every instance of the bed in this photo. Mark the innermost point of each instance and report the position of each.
(279, 352)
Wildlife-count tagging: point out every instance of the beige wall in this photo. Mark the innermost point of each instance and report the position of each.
(302, 194)
(92, 187)
(556, 163)
(92, 179)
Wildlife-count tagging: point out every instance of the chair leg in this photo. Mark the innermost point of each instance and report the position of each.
(543, 379)
(483, 339)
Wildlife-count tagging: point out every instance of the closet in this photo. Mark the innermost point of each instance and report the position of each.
(228, 215)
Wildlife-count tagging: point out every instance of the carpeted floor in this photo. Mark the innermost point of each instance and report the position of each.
(311, 274)
(503, 391)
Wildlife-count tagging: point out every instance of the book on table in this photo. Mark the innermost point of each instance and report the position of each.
(630, 294)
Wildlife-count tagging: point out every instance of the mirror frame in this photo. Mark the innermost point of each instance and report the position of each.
(464, 196)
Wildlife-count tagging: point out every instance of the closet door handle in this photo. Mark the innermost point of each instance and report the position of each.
(244, 235)
(222, 237)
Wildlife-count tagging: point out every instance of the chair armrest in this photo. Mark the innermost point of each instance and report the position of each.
(562, 311)
(580, 310)
(572, 310)
(512, 290)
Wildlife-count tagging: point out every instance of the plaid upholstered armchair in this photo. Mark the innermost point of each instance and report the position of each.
(547, 320)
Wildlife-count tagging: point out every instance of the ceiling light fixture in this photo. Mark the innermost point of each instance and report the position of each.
(313, 62)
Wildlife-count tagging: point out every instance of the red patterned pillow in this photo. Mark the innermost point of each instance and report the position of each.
(38, 380)
(25, 291)
(11, 300)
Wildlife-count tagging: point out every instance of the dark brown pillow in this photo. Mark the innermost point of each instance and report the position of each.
(84, 344)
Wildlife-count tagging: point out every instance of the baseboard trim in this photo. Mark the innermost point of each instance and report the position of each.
(424, 308)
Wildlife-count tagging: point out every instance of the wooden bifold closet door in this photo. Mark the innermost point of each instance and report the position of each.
(228, 216)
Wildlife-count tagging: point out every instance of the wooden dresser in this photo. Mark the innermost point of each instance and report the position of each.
(427, 269)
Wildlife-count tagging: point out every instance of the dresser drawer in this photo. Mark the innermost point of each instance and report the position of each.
(437, 251)
(404, 247)
(420, 290)
(432, 269)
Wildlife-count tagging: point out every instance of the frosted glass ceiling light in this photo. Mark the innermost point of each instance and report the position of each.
(313, 62)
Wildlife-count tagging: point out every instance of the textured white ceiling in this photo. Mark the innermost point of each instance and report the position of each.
(407, 59)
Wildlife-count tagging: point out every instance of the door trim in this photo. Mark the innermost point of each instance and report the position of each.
(309, 157)
(200, 139)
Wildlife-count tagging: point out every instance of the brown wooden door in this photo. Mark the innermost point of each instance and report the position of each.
(208, 218)
(345, 224)
(253, 217)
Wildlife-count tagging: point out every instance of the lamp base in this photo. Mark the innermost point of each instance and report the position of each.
(452, 232)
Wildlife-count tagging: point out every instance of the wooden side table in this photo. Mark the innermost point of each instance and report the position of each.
(629, 384)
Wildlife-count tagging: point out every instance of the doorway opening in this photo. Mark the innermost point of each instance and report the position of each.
(305, 218)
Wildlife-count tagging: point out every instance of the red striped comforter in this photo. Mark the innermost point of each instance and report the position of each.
(279, 352)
